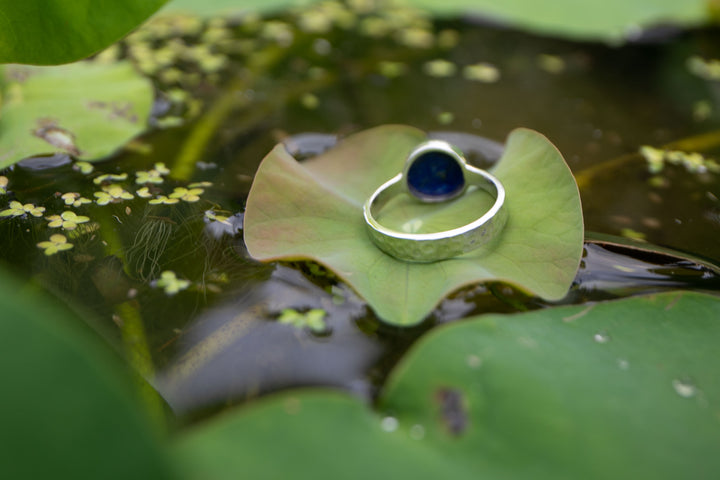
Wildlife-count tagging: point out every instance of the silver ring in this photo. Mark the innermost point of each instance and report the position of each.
(434, 172)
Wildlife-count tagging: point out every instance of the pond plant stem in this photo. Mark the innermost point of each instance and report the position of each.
(137, 352)
(197, 143)
(696, 143)
(232, 99)
(132, 330)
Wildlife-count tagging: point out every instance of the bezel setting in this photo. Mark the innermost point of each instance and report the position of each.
(430, 164)
(436, 246)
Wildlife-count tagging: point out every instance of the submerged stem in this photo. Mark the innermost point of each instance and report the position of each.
(232, 99)
(132, 329)
(138, 355)
(696, 143)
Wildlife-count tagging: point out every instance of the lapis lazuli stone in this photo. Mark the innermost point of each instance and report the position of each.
(435, 175)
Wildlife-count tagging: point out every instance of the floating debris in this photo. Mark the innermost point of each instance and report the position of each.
(143, 192)
(481, 72)
(169, 282)
(112, 194)
(445, 118)
(705, 69)
(310, 101)
(17, 209)
(187, 195)
(440, 68)
(313, 319)
(154, 175)
(57, 243)
(633, 234)
(163, 200)
(83, 167)
(551, 63)
(74, 199)
(693, 162)
(702, 110)
(110, 177)
(390, 69)
(67, 220)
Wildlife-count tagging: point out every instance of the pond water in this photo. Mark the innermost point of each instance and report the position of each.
(217, 342)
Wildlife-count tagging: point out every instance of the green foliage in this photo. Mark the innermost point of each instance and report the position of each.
(65, 410)
(624, 389)
(83, 109)
(313, 211)
(47, 32)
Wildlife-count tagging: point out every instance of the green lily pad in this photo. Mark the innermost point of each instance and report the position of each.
(208, 8)
(626, 389)
(66, 409)
(83, 109)
(609, 20)
(313, 210)
(44, 32)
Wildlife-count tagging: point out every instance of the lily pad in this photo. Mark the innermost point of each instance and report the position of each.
(66, 409)
(208, 8)
(44, 32)
(83, 109)
(608, 20)
(623, 389)
(313, 210)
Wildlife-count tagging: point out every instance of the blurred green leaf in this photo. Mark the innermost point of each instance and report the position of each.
(83, 109)
(624, 389)
(47, 32)
(65, 409)
(208, 8)
(313, 210)
(608, 20)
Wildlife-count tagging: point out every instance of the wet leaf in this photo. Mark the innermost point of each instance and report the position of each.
(532, 395)
(313, 210)
(82, 109)
(45, 32)
(65, 408)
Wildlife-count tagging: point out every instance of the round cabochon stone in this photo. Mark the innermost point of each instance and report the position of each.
(435, 176)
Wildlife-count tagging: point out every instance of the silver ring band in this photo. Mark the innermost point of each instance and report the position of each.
(436, 184)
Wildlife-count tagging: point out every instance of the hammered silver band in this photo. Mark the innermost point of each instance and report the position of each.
(435, 246)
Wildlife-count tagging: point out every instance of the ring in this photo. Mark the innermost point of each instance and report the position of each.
(435, 172)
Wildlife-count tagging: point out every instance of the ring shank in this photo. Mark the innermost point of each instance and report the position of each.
(431, 247)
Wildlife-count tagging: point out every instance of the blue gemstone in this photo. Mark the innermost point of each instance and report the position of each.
(435, 175)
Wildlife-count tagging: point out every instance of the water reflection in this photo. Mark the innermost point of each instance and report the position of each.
(237, 350)
(621, 271)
